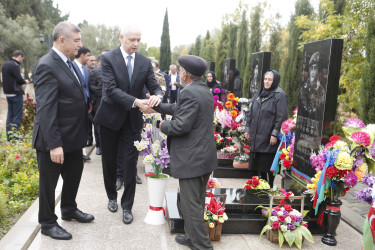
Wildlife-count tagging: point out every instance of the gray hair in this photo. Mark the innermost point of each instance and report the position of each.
(173, 66)
(127, 30)
(64, 29)
(192, 77)
(269, 73)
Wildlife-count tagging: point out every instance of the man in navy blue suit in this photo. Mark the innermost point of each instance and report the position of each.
(79, 64)
(173, 84)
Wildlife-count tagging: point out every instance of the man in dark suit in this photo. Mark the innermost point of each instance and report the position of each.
(191, 147)
(60, 130)
(12, 87)
(79, 65)
(125, 72)
(95, 86)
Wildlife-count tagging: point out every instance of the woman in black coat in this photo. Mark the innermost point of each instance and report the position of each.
(268, 111)
(212, 83)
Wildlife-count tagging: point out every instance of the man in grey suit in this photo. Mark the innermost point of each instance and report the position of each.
(191, 147)
(60, 130)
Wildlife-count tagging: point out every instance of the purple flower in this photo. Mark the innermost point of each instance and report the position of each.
(299, 219)
(285, 213)
(368, 180)
(216, 90)
(264, 212)
(364, 194)
(354, 123)
(291, 226)
(358, 161)
(274, 213)
(372, 150)
(216, 98)
(223, 91)
(351, 179)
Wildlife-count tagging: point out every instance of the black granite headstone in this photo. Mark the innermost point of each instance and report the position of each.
(229, 66)
(260, 64)
(317, 100)
(211, 66)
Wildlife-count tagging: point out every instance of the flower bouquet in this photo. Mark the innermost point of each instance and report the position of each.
(229, 152)
(213, 183)
(153, 146)
(256, 183)
(286, 223)
(214, 215)
(242, 160)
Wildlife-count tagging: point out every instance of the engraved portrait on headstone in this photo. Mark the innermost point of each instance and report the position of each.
(228, 74)
(260, 64)
(317, 100)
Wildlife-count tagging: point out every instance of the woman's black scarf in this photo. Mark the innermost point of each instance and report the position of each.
(276, 80)
(211, 84)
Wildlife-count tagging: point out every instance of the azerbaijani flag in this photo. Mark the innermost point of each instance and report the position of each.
(323, 183)
(275, 164)
(369, 229)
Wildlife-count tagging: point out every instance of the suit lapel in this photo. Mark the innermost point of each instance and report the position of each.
(67, 70)
(137, 65)
(122, 65)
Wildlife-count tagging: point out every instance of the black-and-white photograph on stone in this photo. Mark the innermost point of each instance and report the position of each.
(229, 66)
(317, 100)
(260, 64)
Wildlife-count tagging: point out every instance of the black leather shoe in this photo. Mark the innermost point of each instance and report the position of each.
(138, 180)
(98, 151)
(112, 206)
(127, 217)
(57, 233)
(79, 216)
(85, 158)
(118, 184)
(180, 239)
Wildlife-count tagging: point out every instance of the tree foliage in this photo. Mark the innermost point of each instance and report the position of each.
(208, 48)
(165, 45)
(232, 40)
(242, 45)
(222, 51)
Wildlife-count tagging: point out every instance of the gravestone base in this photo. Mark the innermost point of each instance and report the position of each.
(240, 206)
(226, 170)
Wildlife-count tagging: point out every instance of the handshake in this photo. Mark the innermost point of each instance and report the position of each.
(146, 105)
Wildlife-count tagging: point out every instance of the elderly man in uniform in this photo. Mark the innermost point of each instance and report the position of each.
(190, 133)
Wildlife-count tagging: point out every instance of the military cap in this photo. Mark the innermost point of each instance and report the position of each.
(195, 65)
(314, 58)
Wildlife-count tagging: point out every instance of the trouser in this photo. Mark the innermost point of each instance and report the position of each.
(49, 172)
(173, 96)
(118, 150)
(270, 179)
(14, 116)
(192, 198)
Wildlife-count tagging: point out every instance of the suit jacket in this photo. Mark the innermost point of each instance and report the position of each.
(95, 86)
(191, 134)
(119, 94)
(168, 81)
(84, 79)
(61, 114)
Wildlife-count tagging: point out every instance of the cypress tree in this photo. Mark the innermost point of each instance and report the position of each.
(275, 40)
(207, 50)
(242, 45)
(197, 46)
(222, 51)
(232, 40)
(165, 45)
(291, 70)
(255, 42)
(367, 90)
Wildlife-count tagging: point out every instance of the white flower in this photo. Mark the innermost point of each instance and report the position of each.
(288, 220)
(225, 217)
(280, 213)
(149, 159)
(283, 228)
(155, 148)
(273, 218)
(282, 209)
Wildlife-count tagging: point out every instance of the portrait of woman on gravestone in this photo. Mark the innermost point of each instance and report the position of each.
(254, 78)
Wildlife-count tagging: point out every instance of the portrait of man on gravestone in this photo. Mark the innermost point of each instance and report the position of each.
(254, 83)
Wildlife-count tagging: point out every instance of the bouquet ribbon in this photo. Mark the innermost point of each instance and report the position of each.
(157, 209)
(321, 216)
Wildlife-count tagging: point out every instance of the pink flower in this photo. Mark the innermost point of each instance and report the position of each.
(293, 218)
(305, 225)
(361, 138)
(17, 156)
(295, 110)
(282, 218)
(216, 90)
(216, 98)
(354, 123)
(275, 225)
(288, 126)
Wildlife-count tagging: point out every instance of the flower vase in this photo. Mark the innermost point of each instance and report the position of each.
(156, 192)
(242, 165)
(215, 232)
(332, 216)
(148, 168)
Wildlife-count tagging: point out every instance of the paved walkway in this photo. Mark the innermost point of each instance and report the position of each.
(109, 232)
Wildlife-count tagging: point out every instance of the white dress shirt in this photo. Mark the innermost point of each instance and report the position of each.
(173, 79)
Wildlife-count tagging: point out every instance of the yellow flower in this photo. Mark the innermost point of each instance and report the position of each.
(26, 178)
(211, 225)
(363, 167)
(341, 145)
(214, 217)
(221, 220)
(288, 148)
(314, 180)
(28, 185)
(205, 217)
(287, 157)
(311, 186)
(344, 161)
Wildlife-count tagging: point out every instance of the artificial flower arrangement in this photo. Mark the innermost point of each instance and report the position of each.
(153, 146)
(219, 141)
(256, 183)
(244, 154)
(367, 194)
(289, 224)
(213, 183)
(229, 152)
(214, 211)
(226, 113)
(340, 164)
(284, 156)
